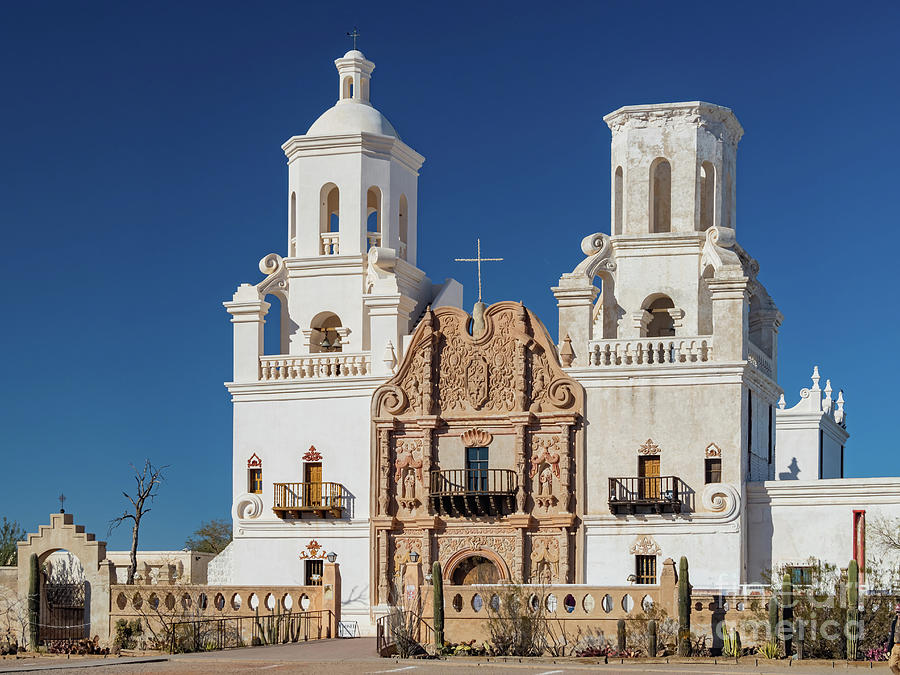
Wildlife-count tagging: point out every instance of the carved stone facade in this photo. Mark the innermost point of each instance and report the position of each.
(500, 393)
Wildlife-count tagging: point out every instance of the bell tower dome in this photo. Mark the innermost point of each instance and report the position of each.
(352, 183)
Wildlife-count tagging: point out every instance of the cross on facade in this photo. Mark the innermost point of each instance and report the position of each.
(62, 501)
(355, 34)
(478, 259)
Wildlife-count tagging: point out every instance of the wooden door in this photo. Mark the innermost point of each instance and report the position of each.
(648, 474)
(312, 476)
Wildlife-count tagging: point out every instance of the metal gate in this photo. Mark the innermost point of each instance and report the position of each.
(63, 618)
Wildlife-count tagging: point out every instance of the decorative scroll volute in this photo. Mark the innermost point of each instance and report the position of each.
(511, 367)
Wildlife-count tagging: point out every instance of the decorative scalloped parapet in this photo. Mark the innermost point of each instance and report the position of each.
(512, 366)
(814, 400)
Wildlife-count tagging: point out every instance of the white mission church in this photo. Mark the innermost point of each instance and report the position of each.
(393, 424)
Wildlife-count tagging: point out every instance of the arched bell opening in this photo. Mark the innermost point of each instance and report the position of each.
(325, 335)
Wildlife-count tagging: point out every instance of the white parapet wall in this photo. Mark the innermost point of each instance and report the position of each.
(793, 521)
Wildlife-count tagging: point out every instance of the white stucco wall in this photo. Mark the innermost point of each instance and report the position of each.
(791, 521)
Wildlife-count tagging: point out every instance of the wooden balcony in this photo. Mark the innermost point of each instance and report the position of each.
(659, 493)
(473, 492)
(292, 500)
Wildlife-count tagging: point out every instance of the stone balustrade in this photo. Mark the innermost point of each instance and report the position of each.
(373, 239)
(331, 243)
(761, 361)
(329, 365)
(650, 351)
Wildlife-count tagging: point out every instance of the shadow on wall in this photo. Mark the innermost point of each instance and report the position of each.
(793, 472)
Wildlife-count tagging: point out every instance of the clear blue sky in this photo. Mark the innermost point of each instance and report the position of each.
(143, 179)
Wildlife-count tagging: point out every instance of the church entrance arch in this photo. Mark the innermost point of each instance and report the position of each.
(479, 567)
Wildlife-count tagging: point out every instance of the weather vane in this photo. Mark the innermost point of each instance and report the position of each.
(62, 500)
(355, 34)
(478, 259)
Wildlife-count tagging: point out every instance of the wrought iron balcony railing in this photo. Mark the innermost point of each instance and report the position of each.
(473, 492)
(659, 493)
(294, 499)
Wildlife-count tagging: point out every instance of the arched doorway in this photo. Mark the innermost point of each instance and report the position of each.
(65, 609)
(475, 570)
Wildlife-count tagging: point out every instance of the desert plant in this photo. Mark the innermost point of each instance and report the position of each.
(787, 614)
(637, 631)
(684, 609)
(732, 644)
(769, 650)
(34, 601)
(773, 618)
(651, 638)
(438, 604)
(852, 630)
(620, 635)
(517, 621)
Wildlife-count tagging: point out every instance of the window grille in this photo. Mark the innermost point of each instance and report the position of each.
(256, 485)
(713, 470)
(645, 569)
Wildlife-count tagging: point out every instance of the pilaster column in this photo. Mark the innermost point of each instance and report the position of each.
(383, 570)
(427, 441)
(575, 297)
(564, 469)
(564, 556)
(248, 313)
(331, 590)
(731, 332)
(389, 316)
(384, 466)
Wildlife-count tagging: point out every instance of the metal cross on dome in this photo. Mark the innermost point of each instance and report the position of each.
(478, 259)
(355, 34)
(62, 501)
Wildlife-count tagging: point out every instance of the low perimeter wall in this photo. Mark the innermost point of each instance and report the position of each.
(159, 604)
(586, 609)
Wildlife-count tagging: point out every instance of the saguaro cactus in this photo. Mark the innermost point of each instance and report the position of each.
(852, 609)
(651, 638)
(437, 581)
(34, 601)
(620, 635)
(773, 618)
(787, 613)
(684, 609)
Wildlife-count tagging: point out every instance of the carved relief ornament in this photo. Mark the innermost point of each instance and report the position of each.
(648, 447)
(314, 551)
(254, 462)
(409, 455)
(713, 450)
(449, 372)
(544, 560)
(312, 455)
(479, 438)
(645, 546)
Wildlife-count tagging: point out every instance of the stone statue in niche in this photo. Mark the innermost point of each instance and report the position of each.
(407, 498)
(545, 465)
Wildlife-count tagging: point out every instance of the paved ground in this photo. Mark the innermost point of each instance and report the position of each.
(356, 657)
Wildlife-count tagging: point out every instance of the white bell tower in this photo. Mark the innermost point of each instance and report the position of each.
(349, 282)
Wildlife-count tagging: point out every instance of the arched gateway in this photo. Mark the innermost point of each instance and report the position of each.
(63, 535)
(476, 437)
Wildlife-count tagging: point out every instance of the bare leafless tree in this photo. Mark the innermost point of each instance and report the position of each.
(886, 532)
(147, 482)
